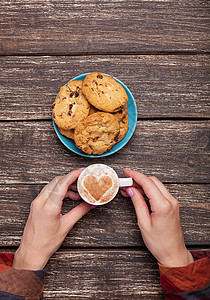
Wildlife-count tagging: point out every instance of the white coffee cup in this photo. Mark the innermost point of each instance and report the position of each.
(98, 184)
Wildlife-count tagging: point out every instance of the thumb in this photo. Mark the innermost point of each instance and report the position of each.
(142, 211)
(74, 215)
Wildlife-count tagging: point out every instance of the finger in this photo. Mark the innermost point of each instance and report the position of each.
(136, 186)
(162, 188)
(141, 208)
(70, 219)
(72, 195)
(60, 189)
(69, 179)
(157, 199)
(73, 187)
(50, 185)
(124, 193)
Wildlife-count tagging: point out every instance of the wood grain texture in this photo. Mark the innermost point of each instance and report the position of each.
(174, 151)
(82, 26)
(113, 224)
(106, 274)
(58, 40)
(163, 86)
(103, 275)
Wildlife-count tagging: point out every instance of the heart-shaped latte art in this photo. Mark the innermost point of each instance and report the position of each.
(97, 187)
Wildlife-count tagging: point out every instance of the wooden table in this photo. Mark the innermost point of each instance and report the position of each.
(159, 49)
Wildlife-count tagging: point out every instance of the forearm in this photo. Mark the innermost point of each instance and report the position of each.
(14, 282)
(192, 279)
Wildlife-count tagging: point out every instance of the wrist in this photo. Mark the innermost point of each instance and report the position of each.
(28, 260)
(182, 259)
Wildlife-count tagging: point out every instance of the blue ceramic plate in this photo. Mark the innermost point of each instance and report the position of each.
(132, 118)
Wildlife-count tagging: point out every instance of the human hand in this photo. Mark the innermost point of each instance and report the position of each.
(161, 229)
(46, 227)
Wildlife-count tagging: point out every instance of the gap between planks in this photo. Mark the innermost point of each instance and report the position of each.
(138, 119)
(45, 182)
(65, 249)
(110, 53)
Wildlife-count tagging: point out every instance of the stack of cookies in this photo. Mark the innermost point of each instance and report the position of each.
(93, 112)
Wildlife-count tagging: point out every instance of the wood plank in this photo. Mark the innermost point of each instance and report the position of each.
(113, 224)
(163, 86)
(102, 275)
(82, 26)
(174, 151)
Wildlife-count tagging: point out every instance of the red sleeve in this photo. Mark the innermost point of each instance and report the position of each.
(14, 282)
(179, 282)
(6, 260)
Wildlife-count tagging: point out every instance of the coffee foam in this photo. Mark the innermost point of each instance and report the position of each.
(98, 184)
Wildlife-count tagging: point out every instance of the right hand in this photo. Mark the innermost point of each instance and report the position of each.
(161, 229)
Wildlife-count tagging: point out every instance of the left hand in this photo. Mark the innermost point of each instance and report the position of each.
(46, 227)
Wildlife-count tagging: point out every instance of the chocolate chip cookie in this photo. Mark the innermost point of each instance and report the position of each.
(124, 125)
(104, 92)
(68, 133)
(70, 107)
(92, 110)
(97, 133)
(121, 113)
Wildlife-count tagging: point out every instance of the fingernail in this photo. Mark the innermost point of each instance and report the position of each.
(127, 169)
(129, 192)
(93, 206)
(82, 168)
